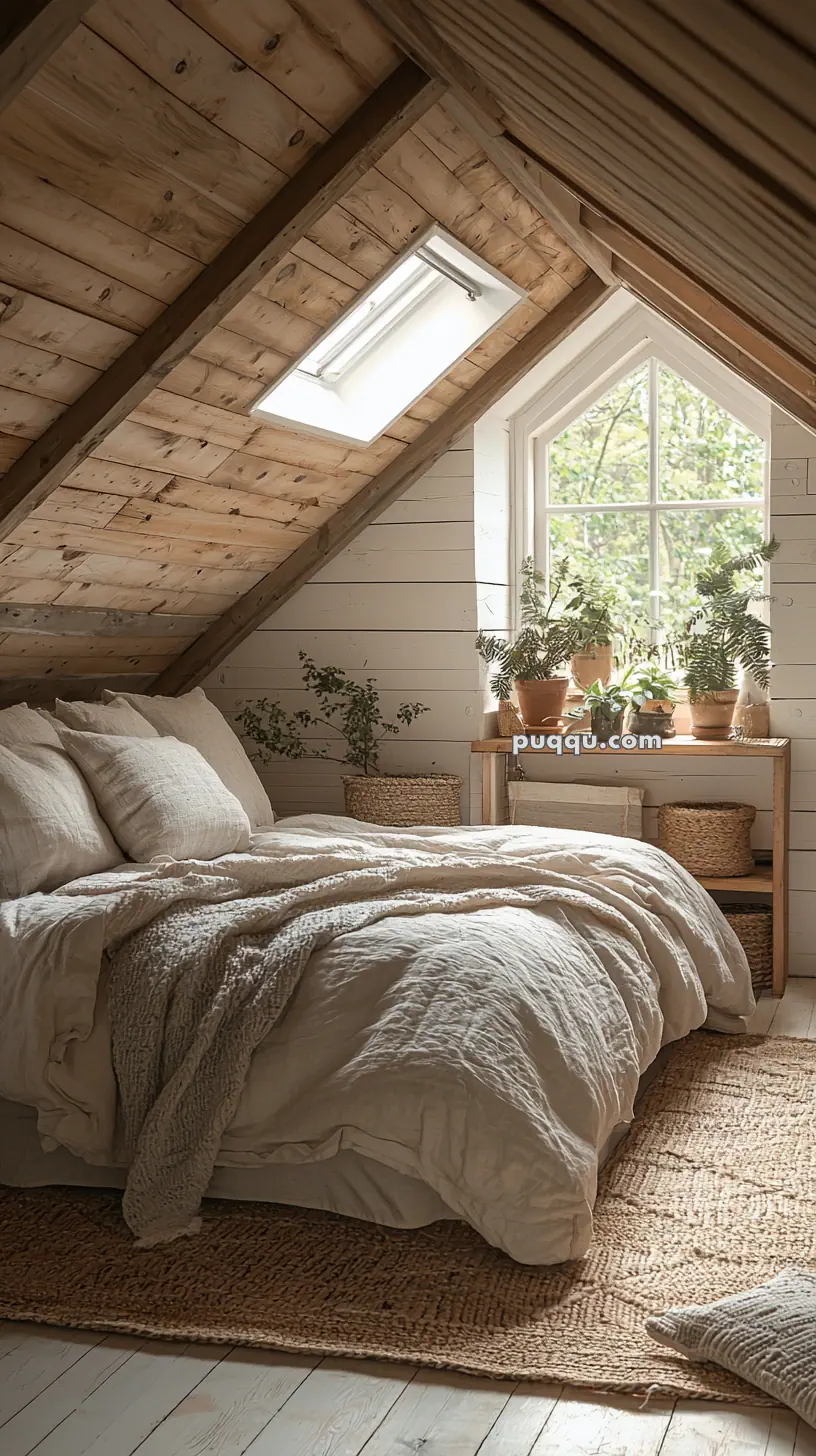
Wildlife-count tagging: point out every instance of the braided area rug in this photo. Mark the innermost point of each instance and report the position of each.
(713, 1191)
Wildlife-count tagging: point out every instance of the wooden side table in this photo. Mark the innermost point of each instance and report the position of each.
(765, 879)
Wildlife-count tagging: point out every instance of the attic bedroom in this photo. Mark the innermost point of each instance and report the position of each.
(407, 724)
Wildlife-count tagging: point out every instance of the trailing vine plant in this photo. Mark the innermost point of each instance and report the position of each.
(348, 709)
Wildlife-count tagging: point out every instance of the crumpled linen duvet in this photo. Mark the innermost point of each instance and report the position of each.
(488, 1050)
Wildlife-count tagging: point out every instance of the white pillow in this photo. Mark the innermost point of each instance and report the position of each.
(766, 1336)
(159, 796)
(50, 829)
(194, 719)
(20, 724)
(117, 717)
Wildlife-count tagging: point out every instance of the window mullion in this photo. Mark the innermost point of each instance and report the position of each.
(654, 518)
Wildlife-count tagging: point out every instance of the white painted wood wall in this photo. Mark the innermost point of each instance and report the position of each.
(401, 604)
(793, 618)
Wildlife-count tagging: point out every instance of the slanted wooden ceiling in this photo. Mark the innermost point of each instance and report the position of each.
(134, 165)
(680, 138)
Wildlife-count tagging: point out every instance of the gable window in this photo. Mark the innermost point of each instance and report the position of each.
(641, 484)
(410, 326)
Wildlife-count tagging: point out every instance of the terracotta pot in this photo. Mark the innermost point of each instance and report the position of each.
(754, 719)
(593, 664)
(542, 701)
(712, 714)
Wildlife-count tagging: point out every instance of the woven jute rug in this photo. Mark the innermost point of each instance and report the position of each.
(713, 1191)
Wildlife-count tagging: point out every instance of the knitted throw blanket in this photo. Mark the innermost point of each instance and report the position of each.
(194, 992)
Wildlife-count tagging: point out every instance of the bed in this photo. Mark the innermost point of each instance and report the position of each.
(460, 1023)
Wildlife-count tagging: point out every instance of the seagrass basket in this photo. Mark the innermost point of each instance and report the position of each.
(753, 927)
(403, 799)
(708, 839)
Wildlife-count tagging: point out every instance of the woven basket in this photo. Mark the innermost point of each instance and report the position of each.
(753, 927)
(708, 839)
(509, 720)
(403, 799)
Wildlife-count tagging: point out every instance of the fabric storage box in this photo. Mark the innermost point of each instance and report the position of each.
(593, 807)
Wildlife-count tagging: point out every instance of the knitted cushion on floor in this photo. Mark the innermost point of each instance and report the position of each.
(767, 1335)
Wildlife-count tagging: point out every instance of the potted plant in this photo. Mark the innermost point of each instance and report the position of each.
(653, 696)
(606, 704)
(352, 711)
(721, 633)
(531, 661)
(593, 606)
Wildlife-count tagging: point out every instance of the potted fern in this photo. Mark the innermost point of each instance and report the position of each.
(720, 634)
(545, 643)
(593, 606)
(350, 713)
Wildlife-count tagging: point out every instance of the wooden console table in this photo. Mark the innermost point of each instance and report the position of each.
(766, 879)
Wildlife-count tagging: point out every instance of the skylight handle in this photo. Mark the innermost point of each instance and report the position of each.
(447, 270)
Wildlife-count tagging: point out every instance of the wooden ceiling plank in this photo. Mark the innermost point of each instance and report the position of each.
(723, 345)
(30, 32)
(514, 44)
(667, 54)
(30, 319)
(134, 545)
(185, 59)
(478, 112)
(700, 301)
(88, 623)
(211, 296)
(242, 619)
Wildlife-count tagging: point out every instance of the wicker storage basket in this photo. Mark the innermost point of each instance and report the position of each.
(509, 720)
(753, 927)
(708, 839)
(403, 799)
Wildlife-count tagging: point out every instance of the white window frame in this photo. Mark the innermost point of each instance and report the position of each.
(640, 338)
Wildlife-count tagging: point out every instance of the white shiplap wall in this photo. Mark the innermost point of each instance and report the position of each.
(793, 618)
(402, 604)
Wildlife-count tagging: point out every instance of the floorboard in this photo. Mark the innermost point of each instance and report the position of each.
(75, 1393)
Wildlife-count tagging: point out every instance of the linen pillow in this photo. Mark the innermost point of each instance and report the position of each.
(20, 724)
(159, 796)
(766, 1336)
(50, 828)
(116, 717)
(194, 719)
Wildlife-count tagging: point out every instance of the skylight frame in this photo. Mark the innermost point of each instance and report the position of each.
(470, 273)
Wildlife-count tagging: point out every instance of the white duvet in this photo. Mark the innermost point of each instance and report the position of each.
(487, 1053)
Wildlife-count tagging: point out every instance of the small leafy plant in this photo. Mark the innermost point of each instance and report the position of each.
(650, 683)
(608, 700)
(548, 636)
(723, 631)
(349, 709)
(593, 605)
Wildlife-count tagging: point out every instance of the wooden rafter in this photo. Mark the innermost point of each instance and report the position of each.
(30, 32)
(357, 145)
(278, 586)
(724, 345)
(478, 111)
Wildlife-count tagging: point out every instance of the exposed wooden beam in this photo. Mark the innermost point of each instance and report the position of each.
(30, 32)
(389, 112)
(392, 482)
(46, 689)
(778, 359)
(725, 347)
(90, 622)
(478, 111)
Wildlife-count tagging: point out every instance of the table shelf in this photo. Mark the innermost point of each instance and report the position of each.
(766, 879)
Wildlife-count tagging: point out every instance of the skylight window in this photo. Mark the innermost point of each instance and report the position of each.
(436, 302)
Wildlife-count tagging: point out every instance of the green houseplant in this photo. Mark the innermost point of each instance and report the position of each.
(653, 696)
(593, 605)
(606, 704)
(720, 634)
(350, 714)
(544, 644)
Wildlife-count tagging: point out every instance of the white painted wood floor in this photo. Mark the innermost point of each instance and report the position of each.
(68, 1393)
